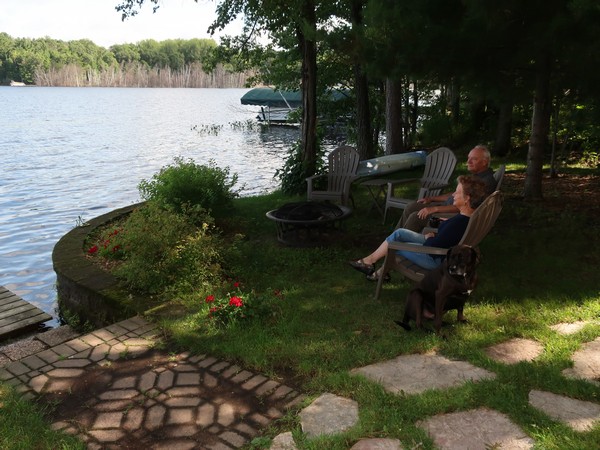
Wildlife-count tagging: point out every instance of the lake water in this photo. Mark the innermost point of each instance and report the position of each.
(71, 154)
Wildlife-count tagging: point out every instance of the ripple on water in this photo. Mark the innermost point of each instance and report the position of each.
(71, 154)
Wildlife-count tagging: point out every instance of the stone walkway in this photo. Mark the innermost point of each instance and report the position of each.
(114, 390)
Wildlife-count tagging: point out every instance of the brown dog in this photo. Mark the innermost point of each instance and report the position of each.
(444, 288)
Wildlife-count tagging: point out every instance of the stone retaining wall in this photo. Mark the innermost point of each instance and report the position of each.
(85, 289)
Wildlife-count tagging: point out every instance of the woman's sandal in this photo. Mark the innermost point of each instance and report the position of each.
(358, 264)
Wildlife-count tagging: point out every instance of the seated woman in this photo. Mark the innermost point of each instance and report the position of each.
(469, 194)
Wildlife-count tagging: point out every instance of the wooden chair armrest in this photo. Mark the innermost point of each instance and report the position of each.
(314, 177)
(395, 246)
(391, 186)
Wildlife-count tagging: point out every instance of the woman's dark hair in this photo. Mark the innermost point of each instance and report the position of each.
(474, 187)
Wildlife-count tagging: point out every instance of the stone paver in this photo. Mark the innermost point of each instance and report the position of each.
(569, 328)
(377, 444)
(586, 363)
(328, 414)
(515, 350)
(141, 397)
(283, 441)
(579, 415)
(413, 374)
(478, 429)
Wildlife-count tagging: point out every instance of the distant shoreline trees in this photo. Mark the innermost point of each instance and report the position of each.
(171, 63)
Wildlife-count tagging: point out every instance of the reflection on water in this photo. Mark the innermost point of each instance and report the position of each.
(70, 154)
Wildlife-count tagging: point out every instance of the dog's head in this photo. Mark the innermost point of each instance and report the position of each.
(462, 260)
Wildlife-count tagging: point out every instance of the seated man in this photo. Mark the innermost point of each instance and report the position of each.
(416, 214)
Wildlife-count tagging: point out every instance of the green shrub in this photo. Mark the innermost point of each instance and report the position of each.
(164, 248)
(188, 183)
(293, 174)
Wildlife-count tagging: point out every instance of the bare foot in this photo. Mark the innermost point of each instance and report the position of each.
(427, 314)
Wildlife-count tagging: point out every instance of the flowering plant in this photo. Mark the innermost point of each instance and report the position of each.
(236, 305)
(108, 245)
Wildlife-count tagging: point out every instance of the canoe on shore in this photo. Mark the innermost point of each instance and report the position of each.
(391, 163)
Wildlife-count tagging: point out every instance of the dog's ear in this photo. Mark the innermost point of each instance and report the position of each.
(476, 254)
(449, 252)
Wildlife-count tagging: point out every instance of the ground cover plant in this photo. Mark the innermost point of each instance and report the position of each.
(304, 317)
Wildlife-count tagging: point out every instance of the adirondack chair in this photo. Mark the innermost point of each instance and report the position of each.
(343, 164)
(499, 175)
(480, 224)
(439, 167)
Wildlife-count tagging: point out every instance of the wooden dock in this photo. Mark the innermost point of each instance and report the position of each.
(17, 315)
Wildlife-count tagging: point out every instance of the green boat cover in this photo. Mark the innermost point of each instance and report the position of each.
(272, 98)
(265, 96)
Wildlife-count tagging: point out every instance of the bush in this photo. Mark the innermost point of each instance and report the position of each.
(293, 174)
(188, 183)
(164, 249)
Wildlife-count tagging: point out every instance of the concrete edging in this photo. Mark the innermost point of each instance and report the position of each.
(85, 289)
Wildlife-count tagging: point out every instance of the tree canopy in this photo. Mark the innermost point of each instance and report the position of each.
(24, 59)
(433, 72)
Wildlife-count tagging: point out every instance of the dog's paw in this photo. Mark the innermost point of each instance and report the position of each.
(403, 325)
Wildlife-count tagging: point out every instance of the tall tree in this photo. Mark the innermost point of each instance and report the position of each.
(280, 20)
(364, 142)
(394, 141)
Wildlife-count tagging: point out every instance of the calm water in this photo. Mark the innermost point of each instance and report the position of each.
(70, 154)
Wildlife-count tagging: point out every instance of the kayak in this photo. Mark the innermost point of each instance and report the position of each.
(391, 163)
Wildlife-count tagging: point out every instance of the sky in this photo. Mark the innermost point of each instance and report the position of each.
(98, 20)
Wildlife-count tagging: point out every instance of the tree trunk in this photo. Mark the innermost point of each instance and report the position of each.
(394, 142)
(504, 128)
(540, 126)
(454, 101)
(308, 49)
(364, 142)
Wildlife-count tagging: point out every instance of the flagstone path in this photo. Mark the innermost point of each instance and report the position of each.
(115, 390)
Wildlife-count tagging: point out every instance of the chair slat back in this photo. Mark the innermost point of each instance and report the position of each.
(482, 220)
(343, 164)
(439, 167)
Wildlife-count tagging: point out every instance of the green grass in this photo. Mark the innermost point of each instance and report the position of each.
(539, 268)
(23, 425)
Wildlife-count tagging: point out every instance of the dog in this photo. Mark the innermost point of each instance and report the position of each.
(445, 288)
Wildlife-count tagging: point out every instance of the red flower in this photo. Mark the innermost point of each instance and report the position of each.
(210, 299)
(93, 249)
(236, 284)
(236, 301)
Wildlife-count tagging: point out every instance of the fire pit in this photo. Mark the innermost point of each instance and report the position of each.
(308, 224)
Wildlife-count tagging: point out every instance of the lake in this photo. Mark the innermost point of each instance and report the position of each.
(71, 154)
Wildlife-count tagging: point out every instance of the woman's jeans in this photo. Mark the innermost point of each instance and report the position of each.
(424, 260)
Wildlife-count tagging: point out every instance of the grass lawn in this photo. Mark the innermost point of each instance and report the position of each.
(539, 268)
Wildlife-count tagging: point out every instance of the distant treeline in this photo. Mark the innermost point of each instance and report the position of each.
(148, 63)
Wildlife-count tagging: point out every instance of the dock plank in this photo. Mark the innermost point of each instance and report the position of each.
(17, 315)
